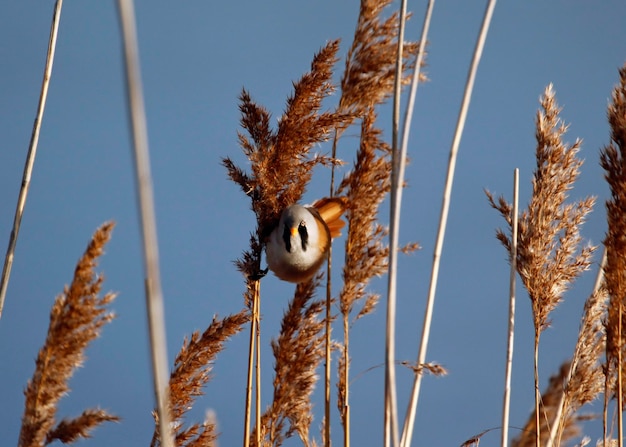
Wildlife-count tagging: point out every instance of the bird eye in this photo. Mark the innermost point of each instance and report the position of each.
(302, 224)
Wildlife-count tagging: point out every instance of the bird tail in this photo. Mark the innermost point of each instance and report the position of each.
(331, 210)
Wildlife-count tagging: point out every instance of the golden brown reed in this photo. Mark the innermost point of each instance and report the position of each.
(548, 256)
(192, 371)
(367, 81)
(613, 160)
(76, 319)
(280, 159)
(281, 167)
(365, 187)
(586, 369)
(549, 403)
(298, 351)
(371, 60)
(366, 252)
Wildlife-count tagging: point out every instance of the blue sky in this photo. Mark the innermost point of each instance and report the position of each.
(196, 56)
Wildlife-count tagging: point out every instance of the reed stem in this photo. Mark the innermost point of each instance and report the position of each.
(32, 152)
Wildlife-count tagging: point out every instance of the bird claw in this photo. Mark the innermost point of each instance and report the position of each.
(258, 275)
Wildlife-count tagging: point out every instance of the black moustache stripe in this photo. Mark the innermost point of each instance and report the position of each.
(287, 238)
(304, 235)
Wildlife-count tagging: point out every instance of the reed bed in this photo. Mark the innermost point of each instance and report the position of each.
(548, 254)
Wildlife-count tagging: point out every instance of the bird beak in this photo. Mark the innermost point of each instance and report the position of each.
(294, 231)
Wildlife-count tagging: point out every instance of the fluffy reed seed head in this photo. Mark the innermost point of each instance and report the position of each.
(370, 67)
(613, 160)
(587, 373)
(298, 351)
(549, 256)
(192, 371)
(366, 186)
(549, 402)
(76, 319)
(280, 159)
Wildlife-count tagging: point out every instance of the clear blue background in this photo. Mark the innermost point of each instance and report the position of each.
(196, 56)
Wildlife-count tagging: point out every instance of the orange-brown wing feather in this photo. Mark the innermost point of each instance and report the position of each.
(330, 210)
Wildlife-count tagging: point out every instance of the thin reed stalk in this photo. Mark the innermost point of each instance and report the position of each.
(328, 317)
(257, 378)
(251, 356)
(154, 297)
(443, 219)
(391, 404)
(328, 340)
(32, 152)
(506, 401)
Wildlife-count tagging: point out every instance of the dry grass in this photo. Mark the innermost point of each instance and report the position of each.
(612, 159)
(370, 66)
(298, 351)
(549, 253)
(550, 257)
(76, 319)
(280, 159)
(549, 402)
(192, 371)
(585, 380)
(281, 166)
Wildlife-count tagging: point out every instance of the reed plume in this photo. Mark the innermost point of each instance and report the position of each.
(282, 163)
(549, 257)
(585, 379)
(549, 403)
(76, 319)
(370, 64)
(192, 371)
(298, 351)
(280, 159)
(367, 81)
(366, 251)
(612, 160)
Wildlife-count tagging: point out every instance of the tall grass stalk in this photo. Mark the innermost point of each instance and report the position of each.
(397, 188)
(328, 316)
(154, 298)
(506, 401)
(257, 379)
(251, 358)
(391, 405)
(32, 152)
(445, 206)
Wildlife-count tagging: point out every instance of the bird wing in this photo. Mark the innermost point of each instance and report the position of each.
(330, 210)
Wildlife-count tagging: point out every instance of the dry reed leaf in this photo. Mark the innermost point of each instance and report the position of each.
(431, 367)
(76, 319)
(192, 371)
(612, 160)
(549, 256)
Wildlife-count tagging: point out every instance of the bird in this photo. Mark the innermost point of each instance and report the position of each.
(298, 246)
